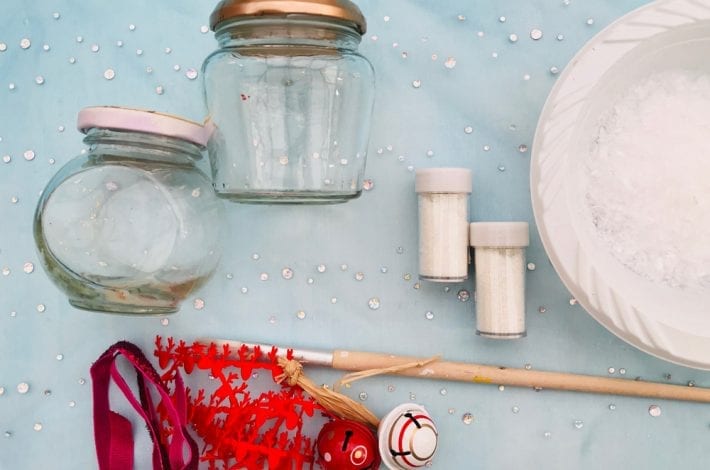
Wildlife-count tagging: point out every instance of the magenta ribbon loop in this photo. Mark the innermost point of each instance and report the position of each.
(113, 433)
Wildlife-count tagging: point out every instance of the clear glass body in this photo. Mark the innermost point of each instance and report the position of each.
(130, 227)
(291, 101)
(443, 237)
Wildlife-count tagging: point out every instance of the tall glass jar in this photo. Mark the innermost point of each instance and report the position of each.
(132, 226)
(290, 99)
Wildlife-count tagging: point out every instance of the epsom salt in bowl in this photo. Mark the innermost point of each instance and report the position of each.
(619, 179)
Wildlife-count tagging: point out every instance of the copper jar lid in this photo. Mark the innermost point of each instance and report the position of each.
(343, 10)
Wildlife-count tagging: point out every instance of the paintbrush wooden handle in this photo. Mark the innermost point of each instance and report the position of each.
(476, 373)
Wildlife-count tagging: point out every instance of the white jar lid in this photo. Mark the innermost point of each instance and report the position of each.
(499, 234)
(443, 180)
(138, 120)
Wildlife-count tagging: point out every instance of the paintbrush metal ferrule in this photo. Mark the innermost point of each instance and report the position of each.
(305, 356)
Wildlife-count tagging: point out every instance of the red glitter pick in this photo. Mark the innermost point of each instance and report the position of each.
(239, 431)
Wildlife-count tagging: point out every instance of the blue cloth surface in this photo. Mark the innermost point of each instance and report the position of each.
(497, 87)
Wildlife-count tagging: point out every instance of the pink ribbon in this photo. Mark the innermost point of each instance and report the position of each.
(113, 433)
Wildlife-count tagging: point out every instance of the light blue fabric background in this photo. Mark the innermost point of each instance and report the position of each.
(490, 94)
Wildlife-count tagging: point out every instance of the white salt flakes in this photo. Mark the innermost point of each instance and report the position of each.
(647, 179)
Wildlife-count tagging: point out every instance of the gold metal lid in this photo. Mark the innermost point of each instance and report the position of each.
(343, 10)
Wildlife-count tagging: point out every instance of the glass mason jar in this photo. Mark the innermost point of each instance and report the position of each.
(132, 226)
(290, 100)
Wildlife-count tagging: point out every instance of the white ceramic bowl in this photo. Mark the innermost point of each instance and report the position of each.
(668, 322)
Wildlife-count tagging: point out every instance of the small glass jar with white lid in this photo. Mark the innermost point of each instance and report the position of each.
(443, 195)
(499, 260)
(132, 226)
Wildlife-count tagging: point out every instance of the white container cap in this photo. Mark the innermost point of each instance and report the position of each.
(499, 234)
(407, 437)
(443, 180)
(138, 120)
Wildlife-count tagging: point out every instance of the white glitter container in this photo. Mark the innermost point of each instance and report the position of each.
(443, 223)
(499, 258)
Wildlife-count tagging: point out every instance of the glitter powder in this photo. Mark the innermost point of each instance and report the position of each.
(368, 184)
(72, 404)
(39, 80)
(176, 67)
(3, 47)
(590, 21)
(109, 74)
(41, 308)
(59, 357)
(573, 301)
(56, 15)
(467, 418)
(359, 276)
(578, 424)
(29, 155)
(612, 407)
(287, 273)
(542, 309)
(429, 153)
(131, 27)
(486, 148)
(45, 47)
(28, 267)
(334, 300)
(72, 60)
(391, 388)
(531, 266)
(373, 303)
(159, 90)
(513, 37)
(501, 388)
(443, 392)
(502, 19)
(528, 366)
(165, 321)
(429, 315)
(515, 409)
(450, 63)
(522, 148)
(560, 37)
(79, 39)
(23, 387)
(204, 29)
(95, 48)
(198, 304)
(468, 129)
(82, 381)
(37, 427)
(622, 371)
(362, 396)
(611, 370)
(25, 43)
(244, 290)
(321, 268)
(5, 271)
(417, 83)
(6, 158)
(264, 276)
(536, 34)
(654, 411)
(2, 391)
(547, 434)
(300, 314)
(554, 70)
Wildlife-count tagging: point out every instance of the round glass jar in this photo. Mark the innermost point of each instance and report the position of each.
(290, 100)
(132, 226)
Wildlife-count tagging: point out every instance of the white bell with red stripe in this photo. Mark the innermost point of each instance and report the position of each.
(407, 437)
